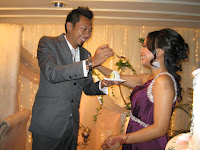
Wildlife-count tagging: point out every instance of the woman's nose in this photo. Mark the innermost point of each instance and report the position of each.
(141, 50)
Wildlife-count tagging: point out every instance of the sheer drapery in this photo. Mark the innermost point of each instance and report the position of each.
(10, 49)
(124, 41)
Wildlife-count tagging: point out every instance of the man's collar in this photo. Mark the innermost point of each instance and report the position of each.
(70, 46)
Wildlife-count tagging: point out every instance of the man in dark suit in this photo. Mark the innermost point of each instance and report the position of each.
(65, 71)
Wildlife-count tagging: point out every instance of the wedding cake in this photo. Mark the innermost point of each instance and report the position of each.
(190, 141)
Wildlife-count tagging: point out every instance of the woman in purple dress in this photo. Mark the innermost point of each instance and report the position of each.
(154, 95)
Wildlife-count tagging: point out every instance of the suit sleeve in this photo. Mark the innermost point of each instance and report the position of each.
(92, 88)
(48, 62)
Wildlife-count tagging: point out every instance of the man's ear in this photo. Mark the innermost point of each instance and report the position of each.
(69, 26)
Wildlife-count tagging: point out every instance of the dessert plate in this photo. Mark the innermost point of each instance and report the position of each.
(118, 80)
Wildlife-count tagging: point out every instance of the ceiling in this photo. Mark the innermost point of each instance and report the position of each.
(171, 13)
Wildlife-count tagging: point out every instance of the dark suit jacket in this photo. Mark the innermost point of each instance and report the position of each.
(60, 88)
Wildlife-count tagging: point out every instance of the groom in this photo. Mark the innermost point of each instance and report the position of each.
(65, 71)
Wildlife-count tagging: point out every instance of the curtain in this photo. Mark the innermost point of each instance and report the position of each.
(10, 49)
(124, 41)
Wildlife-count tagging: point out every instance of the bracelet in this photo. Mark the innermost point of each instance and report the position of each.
(89, 64)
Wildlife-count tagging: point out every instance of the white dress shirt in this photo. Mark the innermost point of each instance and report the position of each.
(76, 58)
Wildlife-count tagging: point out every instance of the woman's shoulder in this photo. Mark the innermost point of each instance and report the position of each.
(165, 80)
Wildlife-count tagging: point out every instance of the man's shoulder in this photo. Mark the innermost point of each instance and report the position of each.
(52, 38)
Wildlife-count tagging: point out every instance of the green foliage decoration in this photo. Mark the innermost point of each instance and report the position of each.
(141, 40)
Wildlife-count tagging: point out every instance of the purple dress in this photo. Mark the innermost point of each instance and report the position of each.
(142, 110)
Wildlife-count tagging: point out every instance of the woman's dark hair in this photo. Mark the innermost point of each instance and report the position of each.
(75, 14)
(175, 52)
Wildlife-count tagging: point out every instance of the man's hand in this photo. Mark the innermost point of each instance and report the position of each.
(102, 53)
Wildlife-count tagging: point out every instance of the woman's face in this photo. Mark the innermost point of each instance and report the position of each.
(146, 55)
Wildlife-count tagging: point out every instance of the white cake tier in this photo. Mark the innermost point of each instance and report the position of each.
(195, 129)
(180, 142)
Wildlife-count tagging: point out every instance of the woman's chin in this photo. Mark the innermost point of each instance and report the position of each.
(144, 64)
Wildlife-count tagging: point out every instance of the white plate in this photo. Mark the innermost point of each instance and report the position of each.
(119, 80)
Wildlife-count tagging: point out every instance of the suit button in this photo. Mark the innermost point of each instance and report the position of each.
(74, 83)
(72, 101)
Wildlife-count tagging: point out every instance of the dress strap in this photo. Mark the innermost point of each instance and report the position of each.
(138, 120)
(149, 89)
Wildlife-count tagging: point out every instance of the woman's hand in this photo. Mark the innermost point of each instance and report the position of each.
(106, 83)
(113, 143)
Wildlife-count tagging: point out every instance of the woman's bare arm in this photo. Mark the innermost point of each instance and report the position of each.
(131, 80)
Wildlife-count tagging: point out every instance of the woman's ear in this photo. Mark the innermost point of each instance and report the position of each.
(159, 52)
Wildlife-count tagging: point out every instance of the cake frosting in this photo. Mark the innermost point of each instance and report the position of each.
(191, 140)
(195, 130)
(112, 75)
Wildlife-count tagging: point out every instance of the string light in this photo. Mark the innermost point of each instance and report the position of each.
(197, 47)
(142, 36)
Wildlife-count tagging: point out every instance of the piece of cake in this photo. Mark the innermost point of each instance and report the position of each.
(112, 76)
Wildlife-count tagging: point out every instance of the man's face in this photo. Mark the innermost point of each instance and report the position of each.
(80, 33)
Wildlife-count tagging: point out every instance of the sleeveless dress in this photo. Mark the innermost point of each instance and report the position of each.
(141, 115)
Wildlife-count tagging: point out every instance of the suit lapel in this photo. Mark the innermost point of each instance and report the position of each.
(82, 53)
(67, 52)
(65, 49)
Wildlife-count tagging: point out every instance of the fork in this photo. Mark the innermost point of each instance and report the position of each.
(119, 56)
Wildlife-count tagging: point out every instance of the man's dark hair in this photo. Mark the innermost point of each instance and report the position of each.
(75, 14)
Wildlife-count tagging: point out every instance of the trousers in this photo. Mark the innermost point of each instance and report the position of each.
(67, 142)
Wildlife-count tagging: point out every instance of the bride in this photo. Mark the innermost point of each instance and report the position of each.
(154, 95)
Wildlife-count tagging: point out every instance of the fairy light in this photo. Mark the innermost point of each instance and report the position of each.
(172, 123)
(30, 138)
(125, 38)
(21, 87)
(197, 47)
(19, 79)
(143, 32)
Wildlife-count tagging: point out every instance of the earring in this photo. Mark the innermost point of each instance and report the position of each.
(156, 64)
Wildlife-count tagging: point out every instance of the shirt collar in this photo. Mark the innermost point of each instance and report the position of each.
(70, 46)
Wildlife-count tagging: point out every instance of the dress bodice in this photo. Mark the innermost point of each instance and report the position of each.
(142, 101)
